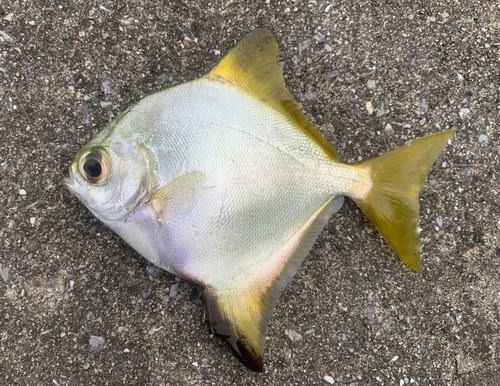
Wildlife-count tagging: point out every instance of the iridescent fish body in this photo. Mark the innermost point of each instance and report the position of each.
(224, 182)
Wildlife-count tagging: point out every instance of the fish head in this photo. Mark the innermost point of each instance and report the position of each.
(111, 175)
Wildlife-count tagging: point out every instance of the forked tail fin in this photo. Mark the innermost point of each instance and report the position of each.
(392, 203)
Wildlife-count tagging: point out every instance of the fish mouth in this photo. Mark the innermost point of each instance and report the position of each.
(69, 182)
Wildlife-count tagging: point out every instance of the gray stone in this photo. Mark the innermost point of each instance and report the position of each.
(4, 272)
(173, 290)
(97, 343)
(424, 107)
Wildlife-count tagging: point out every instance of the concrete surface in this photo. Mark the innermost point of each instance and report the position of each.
(79, 307)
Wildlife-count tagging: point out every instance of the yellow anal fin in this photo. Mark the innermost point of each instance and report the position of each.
(253, 66)
(240, 308)
(392, 203)
(178, 196)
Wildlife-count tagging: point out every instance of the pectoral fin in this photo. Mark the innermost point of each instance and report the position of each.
(177, 197)
(240, 308)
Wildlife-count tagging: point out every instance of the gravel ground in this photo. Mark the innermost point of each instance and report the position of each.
(79, 307)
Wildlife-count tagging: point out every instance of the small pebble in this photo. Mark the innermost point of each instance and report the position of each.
(173, 290)
(293, 335)
(424, 107)
(328, 379)
(97, 342)
(439, 221)
(32, 220)
(388, 129)
(371, 84)
(22, 192)
(6, 37)
(147, 291)
(107, 87)
(328, 48)
(106, 105)
(319, 37)
(78, 253)
(86, 366)
(4, 272)
(309, 96)
(154, 271)
(303, 44)
(463, 112)
(369, 107)
(483, 138)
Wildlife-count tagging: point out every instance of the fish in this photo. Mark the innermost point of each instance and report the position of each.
(224, 182)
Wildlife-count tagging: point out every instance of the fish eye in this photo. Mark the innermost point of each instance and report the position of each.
(94, 166)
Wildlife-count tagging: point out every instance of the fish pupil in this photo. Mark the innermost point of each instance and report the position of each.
(92, 167)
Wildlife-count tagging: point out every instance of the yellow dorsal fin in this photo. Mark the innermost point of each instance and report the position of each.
(254, 67)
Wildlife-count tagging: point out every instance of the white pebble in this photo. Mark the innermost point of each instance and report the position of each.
(371, 84)
(464, 112)
(444, 164)
(216, 52)
(22, 192)
(32, 220)
(293, 335)
(369, 107)
(195, 364)
(439, 221)
(6, 37)
(328, 379)
(483, 138)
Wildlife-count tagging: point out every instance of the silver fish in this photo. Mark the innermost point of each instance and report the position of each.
(224, 182)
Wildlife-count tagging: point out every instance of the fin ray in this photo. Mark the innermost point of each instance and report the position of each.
(178, 195)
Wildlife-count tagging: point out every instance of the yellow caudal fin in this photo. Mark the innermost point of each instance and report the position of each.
(392, 203)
